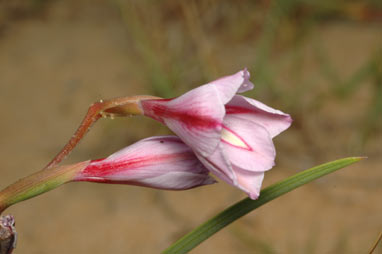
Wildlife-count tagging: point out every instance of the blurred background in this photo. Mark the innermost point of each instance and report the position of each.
(320, 61)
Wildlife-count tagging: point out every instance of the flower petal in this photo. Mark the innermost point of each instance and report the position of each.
(273, 120)
(258, 152)
(176, 181)
(219, 165)
(250, 182)
(196, 117)
(228, 86)
(160, 148)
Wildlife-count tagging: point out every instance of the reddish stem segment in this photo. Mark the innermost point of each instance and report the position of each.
(91, 117)
(124, 106)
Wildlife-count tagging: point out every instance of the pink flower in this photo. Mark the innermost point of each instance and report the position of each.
(230, 134)
(157, 162)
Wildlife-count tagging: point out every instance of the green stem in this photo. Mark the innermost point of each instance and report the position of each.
(229, 215)
(38, 183)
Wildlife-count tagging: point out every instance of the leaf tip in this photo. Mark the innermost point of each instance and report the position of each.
(359, 158)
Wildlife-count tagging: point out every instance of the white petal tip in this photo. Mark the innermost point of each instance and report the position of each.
(246, 85)
(253, 196)
(246, 73)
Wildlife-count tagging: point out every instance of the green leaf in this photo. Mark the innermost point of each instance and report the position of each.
(229, 215)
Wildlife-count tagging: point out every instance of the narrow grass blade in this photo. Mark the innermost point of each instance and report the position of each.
(229, 215)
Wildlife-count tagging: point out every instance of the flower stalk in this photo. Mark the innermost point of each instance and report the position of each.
(38, 183)
(124, 106)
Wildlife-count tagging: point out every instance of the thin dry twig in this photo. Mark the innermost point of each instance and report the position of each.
(379, 238)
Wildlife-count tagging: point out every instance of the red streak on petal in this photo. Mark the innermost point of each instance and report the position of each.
(237, 110)
(103, 168)
(192, 118)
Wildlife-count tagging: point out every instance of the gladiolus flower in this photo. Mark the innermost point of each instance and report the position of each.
(158, 162)
(230, 134)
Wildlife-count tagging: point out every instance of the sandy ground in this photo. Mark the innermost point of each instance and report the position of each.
(54, 65)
